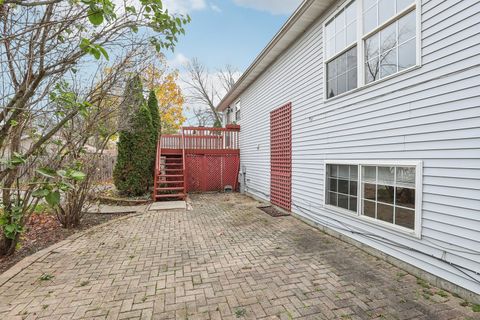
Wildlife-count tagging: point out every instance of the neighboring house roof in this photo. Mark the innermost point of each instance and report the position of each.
(295, 26)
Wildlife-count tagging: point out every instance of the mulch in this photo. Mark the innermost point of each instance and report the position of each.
(44, 230)
(273, 212)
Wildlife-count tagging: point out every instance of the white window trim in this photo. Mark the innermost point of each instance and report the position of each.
(238, 106)
(417, 232)
(360, 43)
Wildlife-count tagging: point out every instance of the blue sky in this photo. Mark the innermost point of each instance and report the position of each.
(228, 31)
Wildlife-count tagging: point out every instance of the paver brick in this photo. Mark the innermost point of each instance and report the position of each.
(224, 259)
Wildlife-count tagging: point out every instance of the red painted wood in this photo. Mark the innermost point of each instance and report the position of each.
(199, 160)
(281, 157)
(211, 172)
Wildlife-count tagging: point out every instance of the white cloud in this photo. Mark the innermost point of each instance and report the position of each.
(215, 8)
(179, 61)
(184, 6)
(174, 6)
(285, 7)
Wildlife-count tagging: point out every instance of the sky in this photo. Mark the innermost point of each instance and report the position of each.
(224, 32)
(228, 31)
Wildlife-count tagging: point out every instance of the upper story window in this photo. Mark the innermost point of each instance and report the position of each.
(341, 51)
(341, 31)
(380, 43)
(377, 12)
(391, 49)
(237, 111)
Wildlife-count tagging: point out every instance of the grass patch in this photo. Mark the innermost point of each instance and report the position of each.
(240, 312)
(46, 277)
(476, 308)
(442, 294)
(422, 283)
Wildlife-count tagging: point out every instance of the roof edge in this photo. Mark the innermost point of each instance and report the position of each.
(286, 28)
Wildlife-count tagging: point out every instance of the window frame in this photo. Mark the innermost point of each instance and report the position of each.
(417, 231)
(237, 111)
(360, 44)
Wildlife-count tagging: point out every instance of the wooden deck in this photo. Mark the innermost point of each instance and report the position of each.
(198, 159)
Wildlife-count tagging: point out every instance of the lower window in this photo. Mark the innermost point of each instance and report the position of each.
(384, 193)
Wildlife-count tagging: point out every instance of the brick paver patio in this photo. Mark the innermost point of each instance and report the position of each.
(224, 259)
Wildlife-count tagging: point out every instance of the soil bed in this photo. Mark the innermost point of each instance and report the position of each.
(273, 212)
(43, 230)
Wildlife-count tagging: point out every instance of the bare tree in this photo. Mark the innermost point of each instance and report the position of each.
(42, 45)
(228, 76)
(203, 116)
(207, 90)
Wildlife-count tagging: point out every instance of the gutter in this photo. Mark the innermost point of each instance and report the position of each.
(286, 28)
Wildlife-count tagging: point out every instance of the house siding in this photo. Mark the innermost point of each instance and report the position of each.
(429, 114)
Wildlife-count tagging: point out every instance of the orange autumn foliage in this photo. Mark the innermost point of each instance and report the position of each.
(169, 95)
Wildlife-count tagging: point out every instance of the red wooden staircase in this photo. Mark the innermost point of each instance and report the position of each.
(169, 175)
(198, 159)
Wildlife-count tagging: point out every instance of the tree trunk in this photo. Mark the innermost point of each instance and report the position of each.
(7, 246)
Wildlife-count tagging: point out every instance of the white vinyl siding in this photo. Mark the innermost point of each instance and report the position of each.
(429, 114)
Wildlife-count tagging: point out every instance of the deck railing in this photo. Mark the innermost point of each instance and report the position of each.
(201, 138)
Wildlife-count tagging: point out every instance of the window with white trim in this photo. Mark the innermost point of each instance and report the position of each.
(386, 43)
(237, 111)
(384, 193)
(341, 53)
(342, 186)
(388, 194)
(392, 49)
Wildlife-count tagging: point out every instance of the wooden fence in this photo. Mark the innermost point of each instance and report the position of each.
(103, 174)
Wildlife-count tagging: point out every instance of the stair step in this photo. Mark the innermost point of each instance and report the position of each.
(171, 195)
(169, 189)
(170, 176)
(170, 182)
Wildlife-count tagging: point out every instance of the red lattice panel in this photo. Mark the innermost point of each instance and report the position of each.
(281, 157)
(231, 167)
(208, 172)
(194, 164)
(213, 166)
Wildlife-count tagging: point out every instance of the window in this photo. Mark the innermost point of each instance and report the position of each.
(342, 73)
(388, 194)
(341, 34)
(237, 111)
(385, 44)
(341, 31)
(385, 193)
(342, 184)
(392, 49)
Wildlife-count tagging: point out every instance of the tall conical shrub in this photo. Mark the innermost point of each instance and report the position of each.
(133, 170)
(153, 107)
(156, 124)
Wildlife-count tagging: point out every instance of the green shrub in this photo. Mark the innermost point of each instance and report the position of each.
(153, 107)
(156, 124)
(133, 174)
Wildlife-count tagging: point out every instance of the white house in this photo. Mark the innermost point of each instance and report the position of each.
(363, 117)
